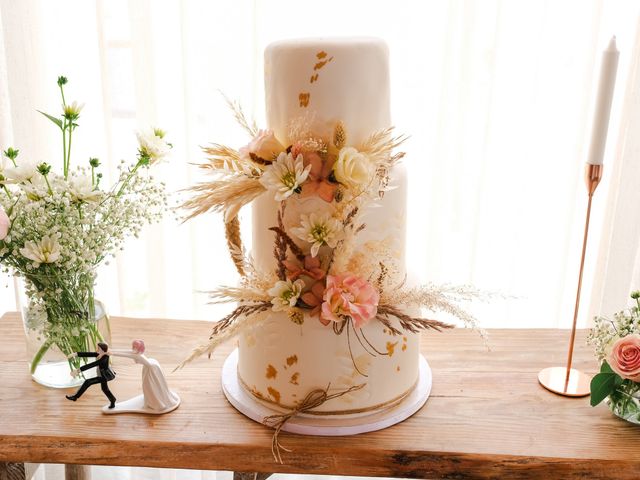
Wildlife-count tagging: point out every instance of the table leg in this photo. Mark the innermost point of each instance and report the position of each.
(250, 476)
(77, 472)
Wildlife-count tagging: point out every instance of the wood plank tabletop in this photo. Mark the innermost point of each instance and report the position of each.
(487, 417)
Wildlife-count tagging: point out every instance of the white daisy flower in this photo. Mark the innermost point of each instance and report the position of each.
(319, 229)
(81, 189)
(47, 250)
(152, 144)
(285, 176)
(24, 171)
(72, 110)
(285, 294)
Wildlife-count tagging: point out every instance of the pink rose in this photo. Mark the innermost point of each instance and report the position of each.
(624, 358)
(4, 224)
(137, 346)
(265, 145)
(349, 296)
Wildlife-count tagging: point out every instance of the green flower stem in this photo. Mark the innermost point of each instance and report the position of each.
(126, 180)
(64, 103)
(6, 190)
(69, 148)
(65, 166)
(46, 179)
(39, 354)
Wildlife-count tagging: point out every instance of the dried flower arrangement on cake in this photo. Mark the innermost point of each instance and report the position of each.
(320, 274)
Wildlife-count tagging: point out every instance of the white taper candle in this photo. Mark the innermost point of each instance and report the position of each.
(602, 108)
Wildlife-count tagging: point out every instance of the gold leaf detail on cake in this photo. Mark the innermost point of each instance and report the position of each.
(274, 393)
(339, 135)
(398, 368)
(303, 97)
(404, 347)
(321, 54)
(292, 360)
(313, 78)
(321, 64)
(271, 371)
(391, 348)
(294, 378)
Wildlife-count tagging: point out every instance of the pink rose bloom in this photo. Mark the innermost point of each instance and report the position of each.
(349, 296)
(265, 145)
(137, 346)
(4, 224)
(624, 358)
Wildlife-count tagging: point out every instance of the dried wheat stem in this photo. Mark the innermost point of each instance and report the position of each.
(234, 243)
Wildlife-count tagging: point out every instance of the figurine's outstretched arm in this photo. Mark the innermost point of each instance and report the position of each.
(124, 353)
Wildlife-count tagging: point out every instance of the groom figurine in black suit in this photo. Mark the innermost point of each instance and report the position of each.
(105, 374)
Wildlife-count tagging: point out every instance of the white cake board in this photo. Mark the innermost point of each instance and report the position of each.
(136, 405)
(326, 425)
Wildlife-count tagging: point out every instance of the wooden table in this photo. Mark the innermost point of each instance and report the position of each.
(487, 417)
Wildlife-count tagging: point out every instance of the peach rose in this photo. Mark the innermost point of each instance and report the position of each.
(264, 145)
(349, 296)
(624, 358)
(4, 224)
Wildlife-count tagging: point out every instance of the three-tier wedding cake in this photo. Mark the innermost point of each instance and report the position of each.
(325, 320)
(318, 85)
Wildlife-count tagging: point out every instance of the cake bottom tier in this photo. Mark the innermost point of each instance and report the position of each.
(280, 362)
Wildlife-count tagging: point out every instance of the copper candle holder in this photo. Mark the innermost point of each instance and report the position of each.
(568, 381)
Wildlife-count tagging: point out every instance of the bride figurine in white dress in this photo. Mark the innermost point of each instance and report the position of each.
(156, 398)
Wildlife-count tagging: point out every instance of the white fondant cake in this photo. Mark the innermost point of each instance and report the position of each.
(315, 84)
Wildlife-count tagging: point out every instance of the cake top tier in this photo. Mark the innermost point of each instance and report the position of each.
(325, 80)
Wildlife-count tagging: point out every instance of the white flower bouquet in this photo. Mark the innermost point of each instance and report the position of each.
(56, 228)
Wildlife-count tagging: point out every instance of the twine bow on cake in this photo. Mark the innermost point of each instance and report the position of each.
(314, 399)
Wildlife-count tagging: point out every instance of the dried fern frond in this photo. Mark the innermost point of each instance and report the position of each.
(227, 195)
(379, 145)
(280, 247)
(407, 322)
(223, 159)
(243, 317)
(238, 113)
(439, 298)
(238, 295)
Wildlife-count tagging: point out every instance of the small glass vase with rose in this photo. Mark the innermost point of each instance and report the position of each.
(617, 347)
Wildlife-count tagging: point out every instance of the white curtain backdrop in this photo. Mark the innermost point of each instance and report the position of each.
(496, 96)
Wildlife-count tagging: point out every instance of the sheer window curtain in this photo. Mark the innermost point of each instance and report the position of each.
(496, 96)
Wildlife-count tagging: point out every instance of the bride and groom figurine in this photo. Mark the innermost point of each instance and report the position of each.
(156, 396)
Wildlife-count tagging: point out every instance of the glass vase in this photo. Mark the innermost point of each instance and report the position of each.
(60, 316)
(625, 402)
